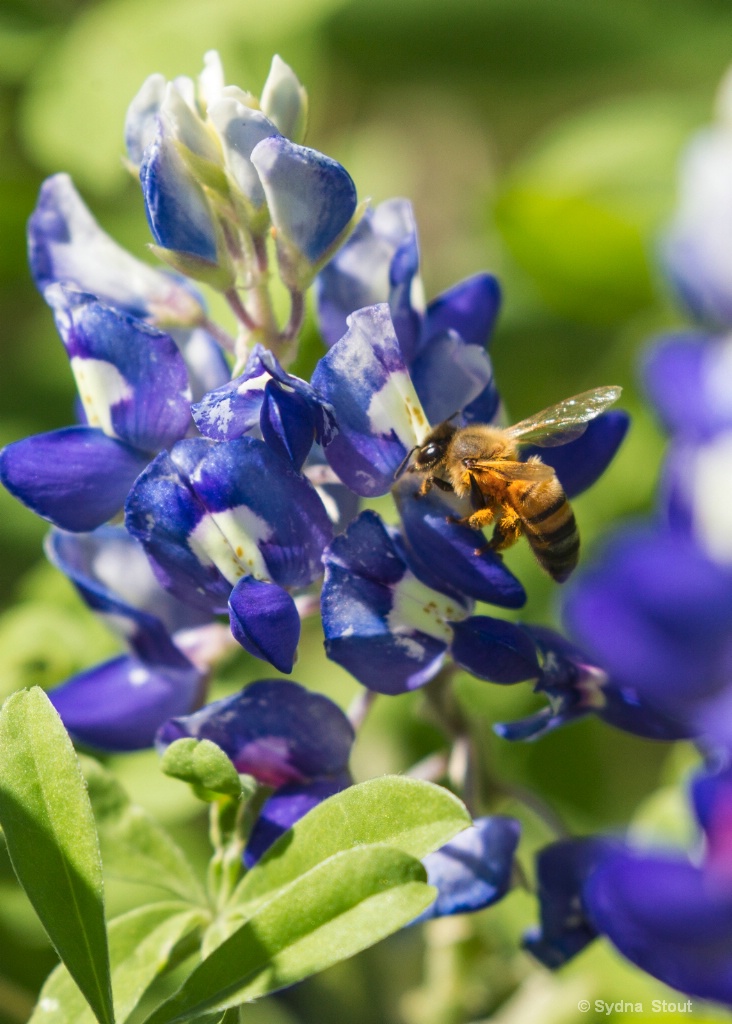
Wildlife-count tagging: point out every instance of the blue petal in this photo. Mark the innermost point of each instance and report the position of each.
(667, 917)
(359, 273)
(67, 246)
(240, 129)
(443, 555)
(311, 198)
(470, 308)
(712, 797)
(131, 377)
(110, 570)
(494, 649)
(163, 513)
(234, 408)
(76, 478)
(264, 620)
(275, 730)
(449, 375)
(380, 622)
(286, 422)
(474, 870)
(379, 416)
(178, 212)
(404, 285)
(121, 704)
(284, 808)
(580, 463)
(205, 362)
(655, 613)
(562, 872)
(141, 120)
(268, 513)
(687, 379)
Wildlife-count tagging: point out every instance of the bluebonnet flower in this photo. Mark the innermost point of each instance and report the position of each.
(695, 249)
(298, 743)
(380, 419)
(217, 169)
(475, 869)
(670, 915)
(134, 388)
(120, 704)
(655, 610)
(231, 526)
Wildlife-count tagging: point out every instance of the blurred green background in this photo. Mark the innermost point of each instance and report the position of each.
(538, 139)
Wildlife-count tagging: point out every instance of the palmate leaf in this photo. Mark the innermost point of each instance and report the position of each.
(135, 848)
(336, 909)
(52, 840)
(413, 816)
(141, 944)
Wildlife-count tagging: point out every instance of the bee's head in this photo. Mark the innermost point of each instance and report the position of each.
(432, 453)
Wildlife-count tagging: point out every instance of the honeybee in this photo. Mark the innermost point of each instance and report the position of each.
(482, 462)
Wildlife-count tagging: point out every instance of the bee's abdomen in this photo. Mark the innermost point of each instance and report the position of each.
(551, 529)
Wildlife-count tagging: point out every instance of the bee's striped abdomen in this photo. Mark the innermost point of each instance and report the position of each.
(550, 526)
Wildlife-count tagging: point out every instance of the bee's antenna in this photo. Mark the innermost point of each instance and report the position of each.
(403, 464)
(452, 416)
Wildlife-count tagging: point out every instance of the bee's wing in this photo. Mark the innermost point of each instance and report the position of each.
(564, 421)
(532, 472)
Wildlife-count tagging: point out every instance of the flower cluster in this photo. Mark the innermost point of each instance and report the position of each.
(655, 611)
(240, 483)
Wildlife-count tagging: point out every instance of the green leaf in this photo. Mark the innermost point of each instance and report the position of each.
(348, 902)
(141, 944)
(135, 848)
(52, 841)
(203, 764)
(414, 816)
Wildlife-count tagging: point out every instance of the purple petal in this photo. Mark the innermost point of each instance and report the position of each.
(131, 377)
(276, 531)
(284, 808)
(110, 570)
(580, 463)
(163, 513)
(380, 622)
(696, 249)
(712, 796)
(469, 308)
(121, 704)
(205, 362)
(404, 283)
(264, 620)
(76, 478)
(67, 246)
(379, 416)
(449, 375)
(666, 917)
(240, 129)
(275, 730)
(494, 649)
(359, 273)
(687, 379)
(178, 212)
(655, 613)
(562, 872)
(443, 555)
(474, 870)
(311, 198)
(287, 426)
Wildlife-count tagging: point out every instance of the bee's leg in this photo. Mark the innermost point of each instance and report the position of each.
(444, 485)
(425, 487)
(476, 520)
(505, 533)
